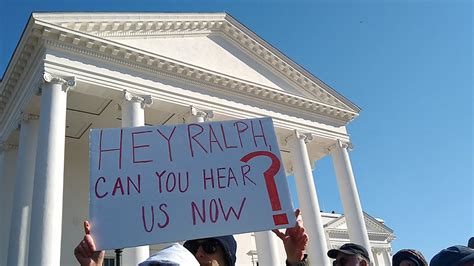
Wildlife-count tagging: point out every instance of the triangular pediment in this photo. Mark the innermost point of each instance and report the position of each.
(208, 41)
(214, 49)
(372, 224)
(214, 52)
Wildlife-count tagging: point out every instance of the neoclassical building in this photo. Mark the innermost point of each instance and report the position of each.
(75, 71)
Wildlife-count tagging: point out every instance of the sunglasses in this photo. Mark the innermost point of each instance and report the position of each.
(208, 245)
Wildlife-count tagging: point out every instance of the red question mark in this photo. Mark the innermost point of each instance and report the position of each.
(269, 175)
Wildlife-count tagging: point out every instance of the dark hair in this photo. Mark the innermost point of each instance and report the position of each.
(411, 255)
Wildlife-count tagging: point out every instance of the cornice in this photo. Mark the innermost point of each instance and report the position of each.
(69, 35)
(345, 232)
(19, 65)
(177, 70)
(372, 221)
(128, 25)
(300, 121)
(368, 220)
(31, 85)
(334, 233)
(65, 17)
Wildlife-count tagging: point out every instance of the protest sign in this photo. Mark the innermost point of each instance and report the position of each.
(158, 184)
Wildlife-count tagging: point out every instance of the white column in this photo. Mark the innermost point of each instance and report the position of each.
(375, 254)
(308, 199)
(349, 196)
(267, 248)
(387, 257)
(23, 193)
(133, 115)
(46, 213)
(7, 171)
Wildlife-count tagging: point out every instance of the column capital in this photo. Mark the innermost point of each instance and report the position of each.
(380, 250)
(340, 144)
(66, 82)
(307, 137)
(144, 100)
(197, 112)
(5, 146)
(25, 116)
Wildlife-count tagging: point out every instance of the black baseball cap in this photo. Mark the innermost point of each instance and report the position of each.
(350, 249)
(453, 256)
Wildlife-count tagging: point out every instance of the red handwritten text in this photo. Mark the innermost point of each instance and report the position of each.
(223, 177)
(214, 208)
(102, 187)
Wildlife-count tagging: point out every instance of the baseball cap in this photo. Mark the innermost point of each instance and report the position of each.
(453, 256)
(350, 249)
(411, 255)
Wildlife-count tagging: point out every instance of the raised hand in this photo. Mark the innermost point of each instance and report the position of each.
(85, 252)
(294, 239)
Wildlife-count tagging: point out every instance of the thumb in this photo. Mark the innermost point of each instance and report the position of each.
(297, 214)
(101, 255)
(87, 227)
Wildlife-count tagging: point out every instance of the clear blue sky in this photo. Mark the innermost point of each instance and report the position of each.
(407, 64)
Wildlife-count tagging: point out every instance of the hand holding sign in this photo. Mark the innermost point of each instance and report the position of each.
(294, 239)
(85, 251)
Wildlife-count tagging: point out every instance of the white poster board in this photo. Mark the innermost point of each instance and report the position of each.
(163, 184)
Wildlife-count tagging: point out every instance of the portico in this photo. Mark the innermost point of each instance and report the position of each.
(76, 71)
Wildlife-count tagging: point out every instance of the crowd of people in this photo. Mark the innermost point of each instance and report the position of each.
(221, 251)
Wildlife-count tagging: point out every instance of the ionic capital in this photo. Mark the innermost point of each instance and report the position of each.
(306, 137)
(25, 116)
(66, 82)
(144, 100)
(340, 144)
(195, 112)
(5, 146)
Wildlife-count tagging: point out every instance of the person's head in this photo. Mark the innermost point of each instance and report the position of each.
(215, 251)
(470, 243)
(350, 255)
(409, 257)
(454, 256)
